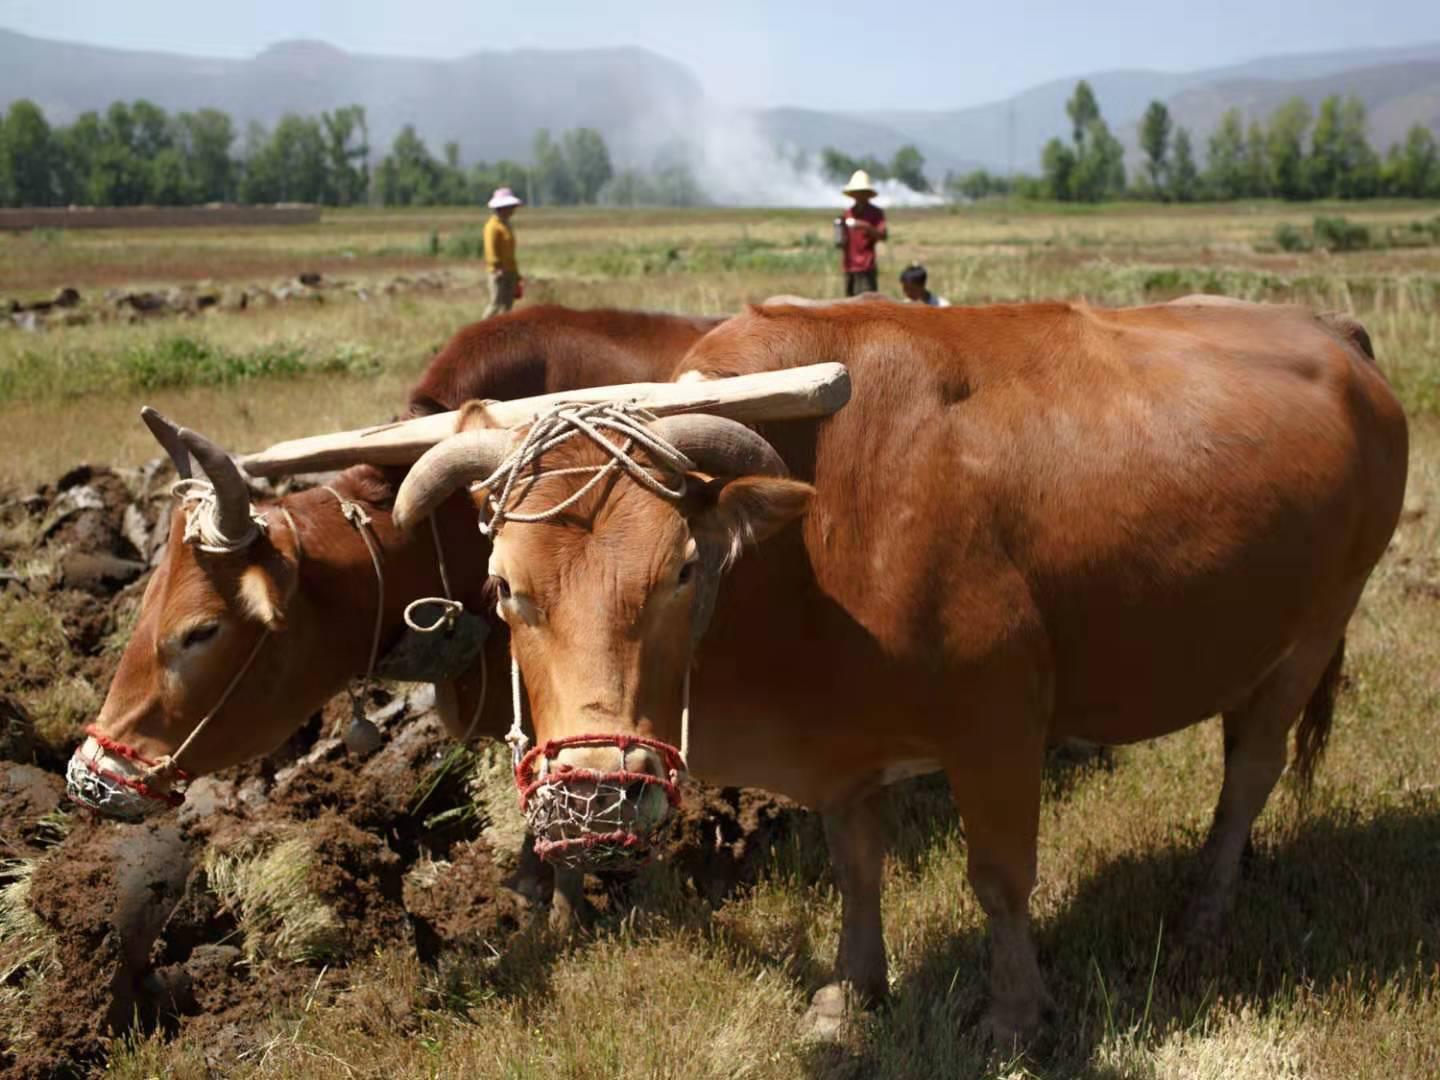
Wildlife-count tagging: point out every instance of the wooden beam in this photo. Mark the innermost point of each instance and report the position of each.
(812, 391)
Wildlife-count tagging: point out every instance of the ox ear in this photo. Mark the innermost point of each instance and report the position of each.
(475, 413)
(262, 592)
(751, 509)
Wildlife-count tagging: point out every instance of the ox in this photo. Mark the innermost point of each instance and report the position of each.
(255, 626)
(1031, 522)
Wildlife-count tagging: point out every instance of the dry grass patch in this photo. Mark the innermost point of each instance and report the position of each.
(265, 882)
(28, 951)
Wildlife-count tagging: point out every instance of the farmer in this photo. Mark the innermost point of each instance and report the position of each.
(864, 227)
(500, 252)
(913, 281)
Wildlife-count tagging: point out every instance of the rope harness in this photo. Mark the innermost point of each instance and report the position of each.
(101, 788)
(589, 818)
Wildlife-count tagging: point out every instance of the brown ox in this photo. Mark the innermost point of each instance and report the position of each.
(307, 579)
(547, 348)
(1030, 522)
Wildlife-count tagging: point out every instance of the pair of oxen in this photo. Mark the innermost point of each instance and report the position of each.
(1029, 523)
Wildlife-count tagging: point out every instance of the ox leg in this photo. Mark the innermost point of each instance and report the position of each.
(1256, 744)
(569, 910)
(998, 795)
(855, 837)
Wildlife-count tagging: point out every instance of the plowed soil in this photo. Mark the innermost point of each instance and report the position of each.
(141, 939)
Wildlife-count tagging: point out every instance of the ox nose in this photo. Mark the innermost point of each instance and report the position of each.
(610, 759)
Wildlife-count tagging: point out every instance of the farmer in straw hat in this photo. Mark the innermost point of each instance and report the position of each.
(863, 227)
(500, 252)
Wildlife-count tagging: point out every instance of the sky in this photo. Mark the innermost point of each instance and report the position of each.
(837, 54)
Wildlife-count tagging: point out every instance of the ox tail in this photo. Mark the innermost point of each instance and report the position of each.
(1313, 732)
(1351, 330)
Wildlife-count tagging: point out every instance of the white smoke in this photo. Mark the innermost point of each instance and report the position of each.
(735, 163)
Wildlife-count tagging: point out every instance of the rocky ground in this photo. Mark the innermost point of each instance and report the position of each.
(70, 307)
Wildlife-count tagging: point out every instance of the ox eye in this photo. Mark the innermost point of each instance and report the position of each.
(500, 586)
(199, 635)
(687, 574)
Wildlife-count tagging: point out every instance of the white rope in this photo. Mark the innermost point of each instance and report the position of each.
(202, 521)
(563, 423)
(553, 428)
(516, 736)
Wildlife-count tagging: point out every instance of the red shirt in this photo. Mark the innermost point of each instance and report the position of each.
(859, 245)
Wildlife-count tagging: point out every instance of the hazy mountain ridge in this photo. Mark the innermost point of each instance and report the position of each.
(492, 102)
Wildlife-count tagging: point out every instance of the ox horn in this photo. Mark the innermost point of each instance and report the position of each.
(232, 497)
(168, 436)
(719, 446)
(461, 459)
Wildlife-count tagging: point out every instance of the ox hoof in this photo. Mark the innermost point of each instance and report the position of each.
(831, 1009)
(1011, 1025)
(1203, 924)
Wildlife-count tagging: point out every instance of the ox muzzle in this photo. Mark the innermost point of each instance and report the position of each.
(114, 780)
(596, 802)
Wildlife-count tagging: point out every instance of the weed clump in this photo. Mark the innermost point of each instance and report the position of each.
(1340, 234)
(265, 882)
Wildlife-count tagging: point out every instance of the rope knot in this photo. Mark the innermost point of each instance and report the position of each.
(202, 528)
(564, 422)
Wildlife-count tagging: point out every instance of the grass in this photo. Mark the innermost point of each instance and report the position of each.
(28, 950)
(1330, 965)
(265, 883)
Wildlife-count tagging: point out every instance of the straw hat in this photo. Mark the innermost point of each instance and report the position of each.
(504, 197)
(859, 184)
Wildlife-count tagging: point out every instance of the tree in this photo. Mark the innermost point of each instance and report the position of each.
(1184, 176)
(587, 160)
(1083, 110)
(1100, 166)
(1155, 141)
(347, 152)
(1257, 162)
(1225, 165)
(79, 146)
(170, 181)
(151, 130)
(1360, 165)
(1057, 166)
(1285, 148)
(1413, 169)
(409, 176)
(207, 137)
(27, 157)
(837, 165)
(908, 166)
(290, 166)
(555, 186)
(978, 184)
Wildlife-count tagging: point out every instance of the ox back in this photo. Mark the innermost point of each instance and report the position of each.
(546, 348)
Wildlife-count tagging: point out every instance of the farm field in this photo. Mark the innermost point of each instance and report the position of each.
(367, 929)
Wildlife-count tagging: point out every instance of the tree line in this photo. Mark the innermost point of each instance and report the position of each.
(907, 166)
(136, 153)
(1296, 154)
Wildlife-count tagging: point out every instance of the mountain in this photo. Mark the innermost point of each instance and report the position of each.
(490, 102)
(1010, 133)
(1396, 96)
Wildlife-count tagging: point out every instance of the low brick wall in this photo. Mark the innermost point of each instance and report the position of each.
(156, 217)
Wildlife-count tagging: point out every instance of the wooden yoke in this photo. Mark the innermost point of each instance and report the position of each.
(813, 391)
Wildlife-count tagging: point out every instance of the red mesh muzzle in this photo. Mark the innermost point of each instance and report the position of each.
(596, 819)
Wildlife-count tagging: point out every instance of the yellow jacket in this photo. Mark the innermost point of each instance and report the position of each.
(500, 246)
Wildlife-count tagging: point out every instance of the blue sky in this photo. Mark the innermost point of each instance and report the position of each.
(837, 54)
